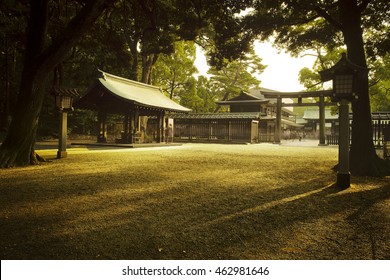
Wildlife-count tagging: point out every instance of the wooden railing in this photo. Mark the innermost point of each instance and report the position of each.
(332, 139)
(215, 131)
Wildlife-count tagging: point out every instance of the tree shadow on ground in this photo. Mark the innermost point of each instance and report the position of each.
(124, 210)
(183, 222)
(325, 224)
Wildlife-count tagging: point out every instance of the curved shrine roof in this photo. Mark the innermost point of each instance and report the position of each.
(116, 93)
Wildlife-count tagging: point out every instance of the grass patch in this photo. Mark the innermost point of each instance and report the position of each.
(192, 202)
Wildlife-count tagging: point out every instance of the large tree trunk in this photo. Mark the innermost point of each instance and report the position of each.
(18, 147)
(363, 157)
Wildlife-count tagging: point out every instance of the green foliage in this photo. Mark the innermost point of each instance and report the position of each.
(380, 89)
(13, 22)
(325, 59)
(301, 25)
(207, 93)
(379, 78)
(236, 76)
(174, 72)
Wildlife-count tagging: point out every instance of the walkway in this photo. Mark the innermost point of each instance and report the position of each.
(53, 144)
(303, 143)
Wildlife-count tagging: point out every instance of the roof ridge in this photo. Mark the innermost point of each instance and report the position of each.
(250, 94)
(128, 81)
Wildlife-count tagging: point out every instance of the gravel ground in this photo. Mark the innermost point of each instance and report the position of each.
(196, 201)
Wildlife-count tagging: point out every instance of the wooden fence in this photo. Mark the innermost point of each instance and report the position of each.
(379, 127)
(332, 139)
(377, 137)
(244, 128)
(222, 130)
(264, 137)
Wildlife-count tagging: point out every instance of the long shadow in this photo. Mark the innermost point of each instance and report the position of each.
(190, 220)
(266, 225)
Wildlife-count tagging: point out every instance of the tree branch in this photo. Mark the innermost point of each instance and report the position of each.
(72, 33)
(320, 12)
(323, 13)
(363, 5)
(37, 26)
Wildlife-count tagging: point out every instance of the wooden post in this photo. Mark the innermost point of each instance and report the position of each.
(378, 134)
(125, 136)
(210, 130)
(102, 127)
(190, 129)
(278, 126)
(160, 127)
(132, 123)
(136, 120)
(229, 130)
(322, 121)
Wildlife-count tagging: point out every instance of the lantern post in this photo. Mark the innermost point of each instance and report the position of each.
(63, 99)
(344, 76)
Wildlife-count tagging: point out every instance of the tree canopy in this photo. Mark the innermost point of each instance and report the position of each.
(129, 36)
(302, 24)
(237, 75)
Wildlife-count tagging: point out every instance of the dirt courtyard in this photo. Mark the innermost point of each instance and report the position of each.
(195, 201)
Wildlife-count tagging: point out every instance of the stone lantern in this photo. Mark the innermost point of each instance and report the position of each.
(63, 99)
(344, 75)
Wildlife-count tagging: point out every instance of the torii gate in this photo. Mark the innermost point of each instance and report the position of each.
(304, 94)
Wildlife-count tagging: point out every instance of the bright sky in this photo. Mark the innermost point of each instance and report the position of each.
(282, 70)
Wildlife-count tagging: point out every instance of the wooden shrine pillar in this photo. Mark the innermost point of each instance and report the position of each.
(128, 127)
(126, 130)
(278, 126)
(160, 127)
(102, 127)
(132, 125)
(322, 120)
(136, 120)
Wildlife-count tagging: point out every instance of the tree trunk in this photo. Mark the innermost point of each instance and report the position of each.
(18, 147)
(147, 66)
(134, 64)
(363, 158)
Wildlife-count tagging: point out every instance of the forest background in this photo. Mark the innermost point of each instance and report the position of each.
(63, 43)
(115, 45)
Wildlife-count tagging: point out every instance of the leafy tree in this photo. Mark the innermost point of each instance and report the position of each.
(208, 93)
(190, 98)
(380, 80)
(142, 29)
(41, 56)
(236, 75)
(299, 24)
(379, 77)
(174, 72)
(13, 16)
(325, 58)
